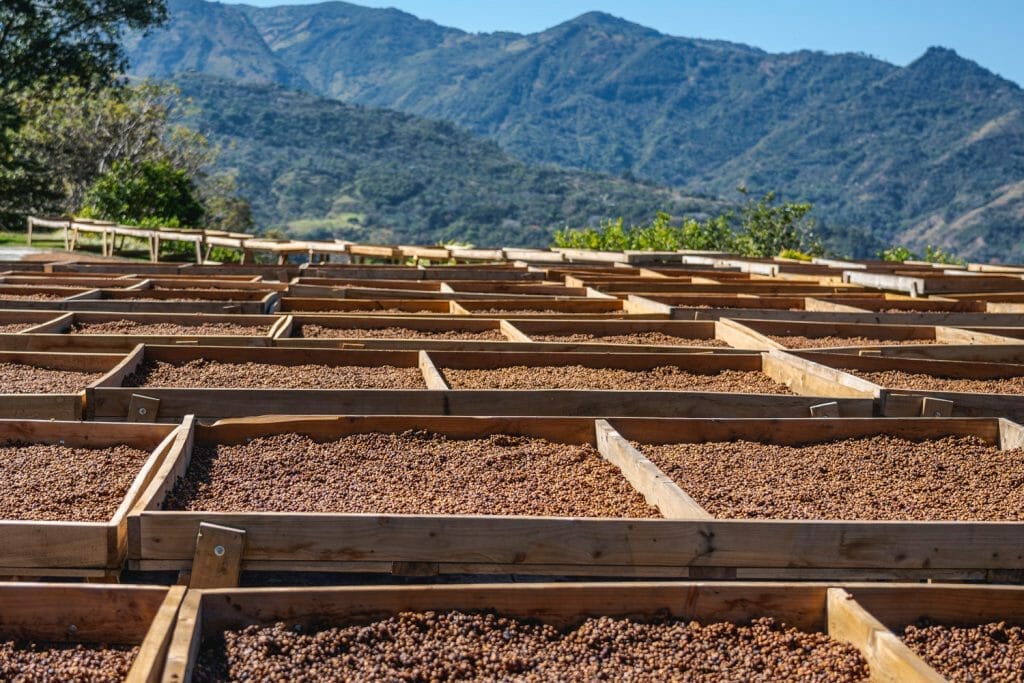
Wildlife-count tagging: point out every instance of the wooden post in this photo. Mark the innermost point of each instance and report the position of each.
(218, 557)
(29, 239)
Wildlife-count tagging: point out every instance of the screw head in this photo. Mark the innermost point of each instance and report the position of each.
(218, 550)
(142, 411)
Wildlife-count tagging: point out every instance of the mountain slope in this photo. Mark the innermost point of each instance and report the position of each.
(321, 168)
(933, 152)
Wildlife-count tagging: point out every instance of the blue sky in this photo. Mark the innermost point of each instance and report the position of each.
(991, 32)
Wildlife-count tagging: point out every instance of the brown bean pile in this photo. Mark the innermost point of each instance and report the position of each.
(59, 483)
(321, 332)
(446, 646)
(920, 380)
(81, 663)
(518, 311)
(20, 378)
(798, 342)
(986, 652)
(201, 373)
(407, 473)
(876, 478)
(664, 378)
(34, 297)
(638, 338)
(183, 328)
(14, 328)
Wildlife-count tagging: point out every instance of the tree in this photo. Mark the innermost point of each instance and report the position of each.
(49, 40)
(81, 132)
(769, 229)
(150, 193)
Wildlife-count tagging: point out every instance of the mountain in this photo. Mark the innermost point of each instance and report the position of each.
(320, 168)
(928, 153)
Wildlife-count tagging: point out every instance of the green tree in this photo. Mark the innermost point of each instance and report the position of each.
(50, 40)
(149, 193)
(768, 229)
(42, 43)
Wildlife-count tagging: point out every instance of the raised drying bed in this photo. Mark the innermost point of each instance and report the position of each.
(626, 384)
(964, 388)
(550, 308)
(366, 306)
(790, 334)
(49, 386)
(688, 540)
(123, 331)
(651, 631)
(475, 491)
(390, 331)
(68, 487)
(215, 301)
(15, 322)
(213, 382)
(38, 297)
(52, 632)
(618, 335)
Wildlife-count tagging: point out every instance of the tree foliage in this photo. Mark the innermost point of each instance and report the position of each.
(147, 193)
(49, 40)
(761, 229)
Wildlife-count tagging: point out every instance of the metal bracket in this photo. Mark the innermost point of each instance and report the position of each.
(830, 409)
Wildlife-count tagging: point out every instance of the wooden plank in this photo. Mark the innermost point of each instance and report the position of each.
(149, 662)
(739, 336)
(184, 647)
(431, 375)
(807, 377)
(217, 560)
(658, 489)
(889, 659)
(513, 332)
(594, 543)
(143, 408)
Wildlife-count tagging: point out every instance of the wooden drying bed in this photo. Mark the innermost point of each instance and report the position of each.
(868, 617)
(686, 541)
(57, 333)
(65, 548)
(67, 614)
(839, 375)
(108, 399)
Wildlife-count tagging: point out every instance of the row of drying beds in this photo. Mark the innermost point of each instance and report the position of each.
(174, 627)
(155, 526)
(446, 382)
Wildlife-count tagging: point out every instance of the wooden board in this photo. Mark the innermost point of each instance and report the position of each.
(80, 546)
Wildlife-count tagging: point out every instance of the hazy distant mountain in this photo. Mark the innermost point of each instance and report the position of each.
(933, 152)
(323, 168)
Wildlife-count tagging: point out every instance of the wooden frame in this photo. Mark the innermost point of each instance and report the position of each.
(589, 547)
(756, 334)
(52, 406)
(529, 309)
(55, 335)
(117, 615)
(107, 399)
(214, 301)
(419, 323)
(837, 373)
(50, 548)
(815, 607)
(685, 329)
(650, 403)
(437, 307)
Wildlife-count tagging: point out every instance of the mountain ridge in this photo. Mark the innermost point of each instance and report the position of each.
(921, 153)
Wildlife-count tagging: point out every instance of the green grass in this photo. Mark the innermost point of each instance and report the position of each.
(42, 240)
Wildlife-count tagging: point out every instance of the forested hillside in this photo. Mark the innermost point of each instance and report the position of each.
(928, 153)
